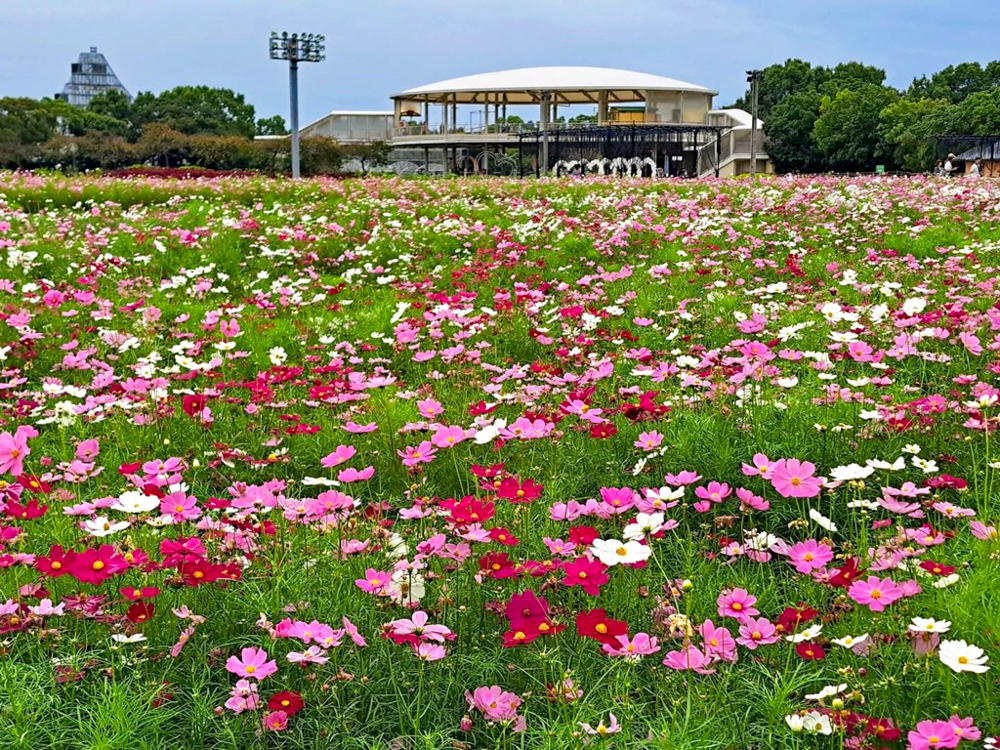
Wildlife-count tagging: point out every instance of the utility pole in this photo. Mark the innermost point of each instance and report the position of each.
(753, 77)
(296, 48)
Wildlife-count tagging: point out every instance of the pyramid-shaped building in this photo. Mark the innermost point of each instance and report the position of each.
(90, 75)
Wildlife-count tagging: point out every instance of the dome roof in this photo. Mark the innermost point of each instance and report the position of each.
(573, 84)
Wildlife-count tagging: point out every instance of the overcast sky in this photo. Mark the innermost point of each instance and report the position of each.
(379, 47)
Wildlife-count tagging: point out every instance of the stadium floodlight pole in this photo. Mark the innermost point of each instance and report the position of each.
(296, 48)
(753, 77)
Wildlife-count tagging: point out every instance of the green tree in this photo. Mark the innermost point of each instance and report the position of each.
(272, 126)
(113, 103)
(847, 131)
(910, 126)
(370, 155)
(778, 81)
(788, 133)
(977, 114)
(956, 82)
(197, 110)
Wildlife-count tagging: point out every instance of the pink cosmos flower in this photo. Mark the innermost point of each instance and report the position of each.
(417, 627)
(809, 555)
(312, 655)
(719, 643)
(756, 632)
(601, 730)
(252, 664)
(682, 478)
(448, 437)
(689, 658)
(353, 475)
(494, 702)
(244, 697)
(966, 728)
(428, 651)
(619, 499)
(275, 721)
(932, 735)
(738, 603)
(984, 532)
(875, 593)
(750, 500)
(715, 492)
(14, 449)
(762, 467)
(649, 441)
(180, 506)
(360, 429)
(352, 631)
(429, 408)
(374, 581)
(794, 478)
(341, 454)
(88, 450)
(422, 454)
(641, 644)
(229, 328)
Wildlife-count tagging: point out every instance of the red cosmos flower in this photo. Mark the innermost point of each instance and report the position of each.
(538, 568)
(469, 510)
(519, 637)
(883, 729)
(129, 469)
(181, 550)
(589, 574)
(582, 535)
(597, 625)
(133, 594)
(519, 492)
(938, 569)
(480, 408)
(810, 651)
(526, 610)
(57, 563)
(29, 510)
(946, 481)
(198, 572)
(33, 483)
(486, 472)
(846, 575)
(140, 612)
(790, 619)
(287, 700)
(503, 536)
(601, 431)
(193, 405)
(215, 503)
(497, 565)
(97, 565)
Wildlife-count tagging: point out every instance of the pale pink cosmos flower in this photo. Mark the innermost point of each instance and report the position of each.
(682, 478)
(244, 697)
(756, 632)
(417, 625)
(448, 437)
(981, 531)
(495, 703)
(762, 467)
(641, 644)
(429, 408)
(691, 658)
(649, 441)
(428, 651)
(421, 454)
(312, 655)
(360, 429)
(253, 663)
(352, 631)
(354, 475)
(602, 730)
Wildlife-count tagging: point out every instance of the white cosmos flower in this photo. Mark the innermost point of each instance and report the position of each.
(822, 520)
(277, 355)
(645, 525)
(613, 552)
(898, 465)
(489, 433)
(102, 526)
(963, 657)
(795, 723)
(929, 625)
(945, 581)
(827, 692)
(816, 723)
(850, 641)
(134, 638)
(928, 466)
(789, 382)
(911, 448)
(323, 481)
(914, 305)
(134, 501)
(806, 635)
(851, 472)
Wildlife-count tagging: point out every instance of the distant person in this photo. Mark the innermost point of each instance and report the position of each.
(977, 168)
(950, 170)
(939, 168)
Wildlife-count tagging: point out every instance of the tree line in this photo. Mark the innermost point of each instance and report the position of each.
(198, 126)
(845, 118)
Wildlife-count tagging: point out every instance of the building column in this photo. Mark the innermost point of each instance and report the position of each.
(602, 107)
(486, 115)
(543, 125)
(444, 115)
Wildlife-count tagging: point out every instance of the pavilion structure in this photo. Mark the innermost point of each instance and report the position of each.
(666, 124)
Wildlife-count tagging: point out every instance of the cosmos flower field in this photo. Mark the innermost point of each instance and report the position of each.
(499, 464)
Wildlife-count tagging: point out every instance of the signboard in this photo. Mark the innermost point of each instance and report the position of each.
(880, 169)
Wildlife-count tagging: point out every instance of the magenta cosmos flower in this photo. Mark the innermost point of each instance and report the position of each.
(875, 593)
(794, 478)
(689, 658)
(253, 664)
(933, 735)
(738, 603)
